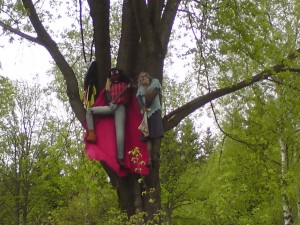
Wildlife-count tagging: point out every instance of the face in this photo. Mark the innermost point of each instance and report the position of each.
(115, 76)
(144, 80)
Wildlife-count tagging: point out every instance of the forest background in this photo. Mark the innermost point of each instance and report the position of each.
(244, 171)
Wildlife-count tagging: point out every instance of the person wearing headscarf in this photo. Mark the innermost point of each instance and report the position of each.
(148, 96)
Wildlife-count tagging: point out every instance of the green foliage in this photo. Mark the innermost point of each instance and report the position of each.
(87, 195)
(7, 93)
(44, 176)
(237, 39)
(178, 159)
(236, 187)
(242, 181)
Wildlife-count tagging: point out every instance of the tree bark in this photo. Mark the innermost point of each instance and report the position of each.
(99, 11)
(128, 49)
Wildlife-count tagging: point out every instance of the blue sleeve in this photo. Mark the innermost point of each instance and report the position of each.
(139, 93)
(155, 84)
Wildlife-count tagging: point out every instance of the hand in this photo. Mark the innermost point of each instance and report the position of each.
(111, 104)
(144, 109)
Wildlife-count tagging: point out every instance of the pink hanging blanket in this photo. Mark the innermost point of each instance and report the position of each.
(105, 149)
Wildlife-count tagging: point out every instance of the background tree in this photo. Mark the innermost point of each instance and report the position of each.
(44, 178)
(258, 162)
(237, 43)
(20, 151)
(179, 157)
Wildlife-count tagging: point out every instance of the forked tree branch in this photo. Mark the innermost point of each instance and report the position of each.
(20, 33)
(167, 22)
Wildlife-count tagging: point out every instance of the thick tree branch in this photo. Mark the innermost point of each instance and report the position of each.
(174, 118)
(146, 29)
(156, 8)
(150, 49)
(99, 11)
(167, 21)
(151, 27)
(128, 49)
(69, 76)
(19, 33)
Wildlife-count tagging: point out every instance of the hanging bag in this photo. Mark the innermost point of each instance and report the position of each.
(143, 127)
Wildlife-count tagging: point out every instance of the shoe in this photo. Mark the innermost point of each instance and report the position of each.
(91, 136)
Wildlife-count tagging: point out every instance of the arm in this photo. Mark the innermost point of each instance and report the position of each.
(150, 95)
(107, 90)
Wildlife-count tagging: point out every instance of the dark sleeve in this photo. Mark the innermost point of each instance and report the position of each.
(140, 101)
(108, 96)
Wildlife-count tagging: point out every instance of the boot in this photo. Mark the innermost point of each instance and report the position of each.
(91, 136)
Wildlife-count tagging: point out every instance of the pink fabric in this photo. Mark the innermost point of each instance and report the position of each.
(105, 148)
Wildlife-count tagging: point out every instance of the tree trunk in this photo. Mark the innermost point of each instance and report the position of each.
(140, 50)
(99, 11)
(298, 209)
(286, 210)
(140, 194)
(17, 202)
